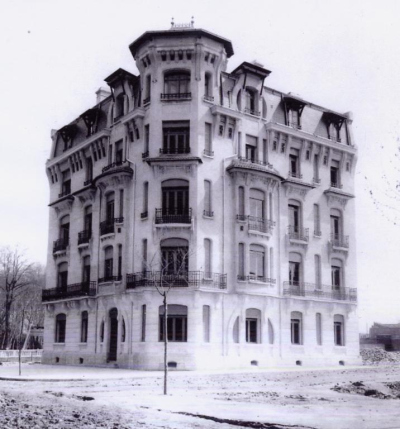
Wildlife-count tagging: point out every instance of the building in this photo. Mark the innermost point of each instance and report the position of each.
(384, 335)
(236, 195)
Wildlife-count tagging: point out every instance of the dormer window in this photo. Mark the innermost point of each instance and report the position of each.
(176, 85)
(293, 109)
(90, 117)
(251, 102)
(119, 107)
(334, 124)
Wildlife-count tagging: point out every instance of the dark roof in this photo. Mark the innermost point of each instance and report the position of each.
(118, 75)
(252, 68)
(198, 32)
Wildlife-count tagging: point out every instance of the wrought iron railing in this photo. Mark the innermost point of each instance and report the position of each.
(208, 213)
(252, 111)
(177, 150)
(208, 97)
(84, 236)
(254, 161)
(178, 96)
(295, 175)
(146, 101)
(208, 152)
(60, 244)
(114, 165)
(64, 193)
(173, 216)
(144, 215)
(259, 224)
(145, 155)
(336, 185)
(193, 279)
(323, 292)
(69, 291)
(339, 240)
(262, 279)
(297, 233)
(108, 226)
(107, 279)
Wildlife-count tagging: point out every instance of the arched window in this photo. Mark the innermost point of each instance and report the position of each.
(175, 201)
(207, 258)
(296, 327)
(337, 274)
(108, 264)
(253, 325)
(63, 240)
(338, 330)
(61, 321)
(84, 326)
(257, 263)
(62, 278)
(295, 272)
(337, 237)
(295, 221)
(176, 323)
(175, 260)
(176, 84)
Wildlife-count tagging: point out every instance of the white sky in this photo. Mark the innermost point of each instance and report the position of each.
(344, 55)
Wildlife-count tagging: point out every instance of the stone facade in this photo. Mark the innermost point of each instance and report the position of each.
(236, 196)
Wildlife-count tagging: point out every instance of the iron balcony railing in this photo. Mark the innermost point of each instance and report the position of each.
(193, 279)
(173, 216)
(146, 101)
(339, 240)
(259, 224)
(84, 236)
(295, 175)
(254, 161)
(107, 279)
(175, 150)
(208, 152)
(251, 111)
(64, 193)
(178, 96)
(294, 125)
(336, 185)
(87, 182)
(323, 292)
(120, 165)
(208, 213)
(208, 97)
(60, 244)
(145, 155)
(69, 291)
(108, 226)
(297, 233)
(144, 215)
(254, 277)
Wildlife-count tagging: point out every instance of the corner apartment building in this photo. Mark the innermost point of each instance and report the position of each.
(238, 197)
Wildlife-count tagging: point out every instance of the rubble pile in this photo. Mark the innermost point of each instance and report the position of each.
(377, 356)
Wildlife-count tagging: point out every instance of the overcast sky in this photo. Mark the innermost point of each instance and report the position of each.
(343, 55)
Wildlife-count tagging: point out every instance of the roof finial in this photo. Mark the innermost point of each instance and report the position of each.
(172, 23)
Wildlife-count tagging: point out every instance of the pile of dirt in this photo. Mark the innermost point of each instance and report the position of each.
(375, 390)
(376, 356)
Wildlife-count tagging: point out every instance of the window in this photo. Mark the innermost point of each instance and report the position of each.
(119, 107)
(64, 230)
(110, 154)
(318, 328)
(145, 200)
(148, 90)
(316, 169)
(175, 258)
(207, 258)
(176, 323)
(110, 204)
(108, 263)
(317, 222)
(143, 337)
(294, 163)
(146, 139)
(176, 137)
(338, 329)
(206, 323)
(62, 278)
(251, 148)
(121, 204)
(296, 327)
(61, 321)
(241, 275)
(251, 102)
(86, 270)
(88, 221)
(102, 332)
(144, 255)
(207, 199)
(176, 85)
(89, 169)
(253, 318)
(294, 269)
(317, 264)
(257, 211)
(335, 177)
(123, 331)
(119, 152)
(207, 87)
(336, 274)
(294, 118)
(175, 199)
(66, 183)
(119, 273)
(208, 140)
(334, 131)
(294, 217)
(84, 326)
(241, 208)
(257, 262)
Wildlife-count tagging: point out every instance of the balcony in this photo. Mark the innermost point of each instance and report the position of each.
(145, 155)
(109, 279)
(336, 185)
(297, 234)
(165, 216)
(175, 150)
(71, 291)
(108, 226)
(208, 213)
(259, 224)
(60, 244)
(322, 292)
(88, 182)
(64, 193)
(208, 152)
(209, 98)
(252, 112)
(144, 215)
(339, 240)
(176, 97)
(295, 175)
(189, 279)
(116, 166)
(146, 101)
(84, 236)
(255, 278)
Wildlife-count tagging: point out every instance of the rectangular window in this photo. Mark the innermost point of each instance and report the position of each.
(294, 218)
(144, 255)
(176, 137)
(84, 327)
(148, 89)
(317, 263)
(335, 179)
(336, 277)
(207, 259)
(206, 323)
(295, 331)
(108, 268)
(176, 328)
(335, 227)
(146, 138)
(89, 169)
(294, 273)
(119, 152)
(119, 261)
(121, 203)
(318, 328)
(241, 275)
(60, 328)
(338, 333)
(294, 163)
(251, 148)
(265, 154)
(66, 183)
(257, 265)
(208, 140)
(316, 169)
(143, 338)
(241, 202)
(110, 154)
(239, 143)
(251, 330)
(207, 199)
(317, 225)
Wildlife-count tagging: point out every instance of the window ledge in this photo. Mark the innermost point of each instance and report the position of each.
(83, 344)
(208, 156)
(59, 344)
(208, 217)
(107, 236)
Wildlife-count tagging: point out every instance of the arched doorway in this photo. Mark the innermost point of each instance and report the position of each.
(112, 352)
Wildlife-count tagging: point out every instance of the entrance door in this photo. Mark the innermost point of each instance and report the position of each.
(112, 354)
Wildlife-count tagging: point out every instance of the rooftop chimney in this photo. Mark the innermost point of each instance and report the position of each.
(102, 94)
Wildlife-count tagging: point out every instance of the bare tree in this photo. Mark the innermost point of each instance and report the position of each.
(20, 288)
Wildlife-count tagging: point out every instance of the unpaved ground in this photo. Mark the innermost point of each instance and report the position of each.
(345, 398)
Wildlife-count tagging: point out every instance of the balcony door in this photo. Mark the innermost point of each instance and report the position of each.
(110, 208)
(294, 218)
(175, 197)
(113, 347)
(175, 256)
(62, 280)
